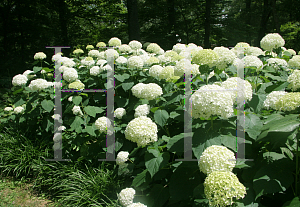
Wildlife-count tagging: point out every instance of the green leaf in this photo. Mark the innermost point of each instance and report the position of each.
(176, 143)
(76, 100)
(76, 125)
(18, 91)
(161, 117)
(90, 110)
(153, 164)
(127, 86)
(287, 152)
(158, 195)
(253, 125)
(140, 178)
(47, 105)
(257, 102)
(19, 102)
(173, 114)
(37, 69)
(122, 77)
(91, 130)
(293, 203)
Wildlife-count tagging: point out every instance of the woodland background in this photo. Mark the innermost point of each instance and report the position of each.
(28, 26)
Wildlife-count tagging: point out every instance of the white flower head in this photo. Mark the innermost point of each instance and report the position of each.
(95, 70)
(39, 56)
(135, 45)
(39, 84)
(122, 157)
(8, 109)
(121, 60)
(19, 110)
(70, 74)
(251, 60)
(19, 80)
(294, 80)
(94, 53)
(27, 74)
(114, 42)
(272, 41)
(119, 113)
(135, 62)
(126, 196)
(77, 111)
(70, 98)
(142, 110)
(103, 124)
(272, 98)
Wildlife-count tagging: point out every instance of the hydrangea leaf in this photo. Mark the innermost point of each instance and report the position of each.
(293, 203)
(76, 125)
(90, 110)
(153, 164)
(47, 105)
(127, 86)
(19, 102)
(161, 117)
(76, 100)
(158, 195)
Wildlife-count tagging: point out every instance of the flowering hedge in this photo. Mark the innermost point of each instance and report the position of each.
(149, 119)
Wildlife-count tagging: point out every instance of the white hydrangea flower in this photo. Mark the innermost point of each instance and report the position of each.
(295, 61)
(135, 45)
(163, 59)
(89, 47)
(271, 41)
(125, 48)
(39, 56)
(179, 47)
(103, 124)
(27, 74)
(8, 109)
(56, 57)
(226, 57)
(101, 62)
(251, 60)
(167, 72)
(137, 205)
(221, 187)
(102, 55)
(135, 62)
(255, 51)
(56, 116)
(119, 113)
(142, 110)
(183, 65)
(238, 96)
(153, 48)
(148, 91)
(141, 130)
(70, 98)
(294, 80)
(67, 62)
(77, 111)
(216, 158)
(121, 60)
(272, 98)
(122, 157)
(205, 57)
(39, 84)
(61, 128)
(114, 42)
(70, 74)
(94, 53)
(95, 70)
(126, 196)
(144, 57)
(63, 68)
(101, 44)
(211, 100)
(292, 52)
(78, 51)
(288, 102)
(19, 80)
(19, 110)
(43, 72)
(111, 52)
(76, 85)
(88, 61)
(277, 63)
(155, 70)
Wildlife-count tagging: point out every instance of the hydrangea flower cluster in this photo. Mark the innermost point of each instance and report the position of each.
(122, 157)
(205, 57)
(135, 45)
(56, 57)
(288, 102)
(151, 60)
(8, 109)
(39, 84)
(295, 61)
(103, 124)
(255, 51)
(173, 55)
(153, 48)
(271, 41)
(216, 158)
(101, 44)
(277, 63)
(221, 187)
(70, 74)
(89, 47)
(121, 60)
(126, 196)
(125, 48)
(226, 57)
(179, 47)
(67, 62)
(94, 53)
(19, 80)
(141, 130)
(239, 95)
(78, 51)
(135, 62)
(95, 70)
(88, 61)
(272, 98)
(77, 85)
(111, 52)
(142, 110)
(292, 52)
(211, 100)
(114, 42)
(148, 91)
(251, 60)
(294, 80)
(166, 72)
(137, 205)
(119, 113)
(39, 56)
(27, 74)
(19, 110)
(77, 111)
(155, 70)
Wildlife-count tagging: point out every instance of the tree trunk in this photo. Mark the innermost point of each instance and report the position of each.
(264, 20)
(133, 21)
(207, 44)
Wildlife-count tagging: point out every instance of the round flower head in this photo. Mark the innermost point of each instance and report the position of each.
(70, 98)
(119, 113)
(39, 56)
(67, 62)
(152, 60)
(205, 57)
(61, 128)
(8, 109)
(153, 48)
(173, 55)
(292, 52)
(135, 45)
(179, 47)
(70, 74)
(271, 41)
(137, 205)
(103, 124)
(277, 63)
(95, 70)
(256, 51)
(39, 84)
(122, 157)
(121, 60)
(88, 61)
(294, 80)
(167, 72)
(272, 98)
(288, 102)
(94, 53)
(125, 48)
(206, 103)
(142, 110)
(114, 42)
(19, 110)
(27, 74)
(141, 130)
(151, 91)
(56, 57)
(182, 66)
(251, 60)
(232, 83)
(242, 44)
(221, 187)
(111, 53)
(77, 85)
(126, 196)
(155, 70)
(295, 61)
(89, 47)
(216, 158)
(226, 57)
(137, 89)
(135, 62)
(164, 59)
(78, 51)
(19, 80)
(101, 44)
(77, 111)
